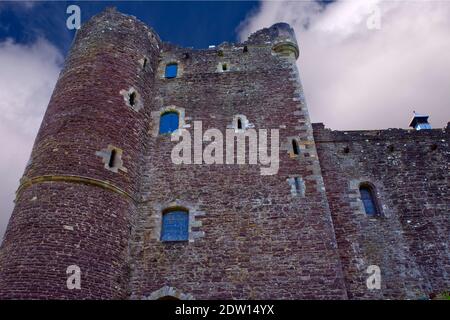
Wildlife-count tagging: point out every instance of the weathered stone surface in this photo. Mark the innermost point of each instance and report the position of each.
(251, 236)
(410, 172)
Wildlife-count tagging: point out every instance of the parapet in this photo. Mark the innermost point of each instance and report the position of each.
(323, 134)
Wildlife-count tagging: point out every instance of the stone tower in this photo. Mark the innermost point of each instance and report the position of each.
(72, 208)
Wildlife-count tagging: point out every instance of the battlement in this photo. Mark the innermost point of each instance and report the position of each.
(323, 134)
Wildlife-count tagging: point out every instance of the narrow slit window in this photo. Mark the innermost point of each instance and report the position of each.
(169, 122)
(145, 63)
(132, 98)
(171, 70)
(295, 147)
(368, 199)
(112, 158)
(175, 226)
(239, 124)
(297, 184)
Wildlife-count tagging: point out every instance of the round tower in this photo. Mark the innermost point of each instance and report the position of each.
(68, 236)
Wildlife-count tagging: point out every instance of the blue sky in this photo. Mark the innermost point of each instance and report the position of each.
(186, 23)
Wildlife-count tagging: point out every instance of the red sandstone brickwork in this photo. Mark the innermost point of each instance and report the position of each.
(86, 114)
(257, 241)
(410, 172)
(250, 236)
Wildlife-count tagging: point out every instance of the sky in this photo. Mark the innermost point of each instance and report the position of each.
(363, 64)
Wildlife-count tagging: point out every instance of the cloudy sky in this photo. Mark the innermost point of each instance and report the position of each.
(364, 64)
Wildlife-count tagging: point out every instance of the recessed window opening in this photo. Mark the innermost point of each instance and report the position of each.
(132, 98)
(168, 122)
(297, 184)
(368, 199)
(239, 124)
(171, 70)
(245, 50)
(144, 65)
(175, 225)
(112, 158)
(295, 147)
(224, 67)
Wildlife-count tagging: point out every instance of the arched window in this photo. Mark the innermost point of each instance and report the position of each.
(295, 147)
(175, 225)
(368, 199)
(171, 70)
(169, 122)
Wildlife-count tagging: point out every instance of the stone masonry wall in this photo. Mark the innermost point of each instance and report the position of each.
(251, 238)
(300, 233)
(410, 173)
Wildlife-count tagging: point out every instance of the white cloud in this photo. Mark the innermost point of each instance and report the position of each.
(360, 78)
(28, 74)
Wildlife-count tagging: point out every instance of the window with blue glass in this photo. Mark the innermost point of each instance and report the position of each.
(171, 70)
(175, 226)
(169, 122)
(368, 199)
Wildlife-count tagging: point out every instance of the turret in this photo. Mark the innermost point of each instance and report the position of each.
(280, 36)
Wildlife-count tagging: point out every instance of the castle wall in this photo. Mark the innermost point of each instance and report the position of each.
(251, 238)
(409, 172)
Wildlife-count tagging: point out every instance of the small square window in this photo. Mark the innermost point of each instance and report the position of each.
(171, 70)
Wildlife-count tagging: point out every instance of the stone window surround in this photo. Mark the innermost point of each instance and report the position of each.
(106, 155)
(294, 191)
(356, 202)
(138, 105)
(245, 123)
(302, 146)
(193, 212)
(220, 66)
(156, 117)
(170, 60)
(145, 64)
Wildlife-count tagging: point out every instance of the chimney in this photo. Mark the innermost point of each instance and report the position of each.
(420, 122)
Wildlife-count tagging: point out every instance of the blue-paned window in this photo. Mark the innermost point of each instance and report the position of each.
(368, 200)
(171, 70)
(169, 122)
(175, 226)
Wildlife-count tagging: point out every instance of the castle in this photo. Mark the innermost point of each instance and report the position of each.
(101, 192)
